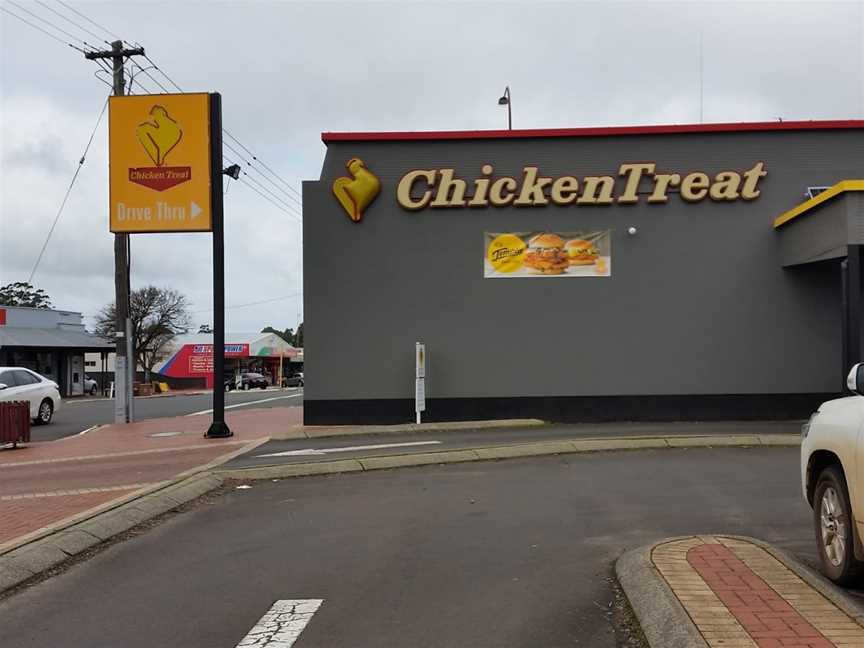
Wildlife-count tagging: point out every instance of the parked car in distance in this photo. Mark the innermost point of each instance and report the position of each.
(20, 384)
(247, 381)
(294, 380)
(90, 386)
(832, 476)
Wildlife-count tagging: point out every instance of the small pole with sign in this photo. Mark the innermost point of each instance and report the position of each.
(419, 380)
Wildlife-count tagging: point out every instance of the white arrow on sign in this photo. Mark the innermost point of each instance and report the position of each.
(324, 451)
(195, 209)
(282, 624)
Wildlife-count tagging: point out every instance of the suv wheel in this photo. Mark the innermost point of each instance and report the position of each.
(832, 518)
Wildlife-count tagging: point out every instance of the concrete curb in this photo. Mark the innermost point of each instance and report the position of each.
(317, 432)
(664, 620)
(537, 449)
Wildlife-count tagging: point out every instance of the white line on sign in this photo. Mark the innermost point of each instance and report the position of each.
(282, 624)
(321, 451)
(255, 402)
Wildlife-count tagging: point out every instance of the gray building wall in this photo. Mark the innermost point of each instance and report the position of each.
(698, 302)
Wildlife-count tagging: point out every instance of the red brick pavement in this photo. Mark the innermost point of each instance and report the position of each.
(25, 515)
(35, 479)
(767, 618)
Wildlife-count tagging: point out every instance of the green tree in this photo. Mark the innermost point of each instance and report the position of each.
(22, 293)
(158, 316)
(287, 335)
(298, 338)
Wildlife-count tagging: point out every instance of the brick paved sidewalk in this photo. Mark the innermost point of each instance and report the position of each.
(738, 595)
(49, 484)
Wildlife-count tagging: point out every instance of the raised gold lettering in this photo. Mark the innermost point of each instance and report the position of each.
(447, 186)
(403, 190)
(634, 175)
(589, 190)
(725, 186)
(662, 182)
(532, 193)
(694, 186)
(565, 190)
(496, 191)
(751, 178)
(481, 188)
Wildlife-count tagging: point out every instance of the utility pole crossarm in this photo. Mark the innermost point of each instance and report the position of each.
(135, 51)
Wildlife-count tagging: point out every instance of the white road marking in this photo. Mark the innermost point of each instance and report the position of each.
(322, 451)
(254, 402)
(282, 624)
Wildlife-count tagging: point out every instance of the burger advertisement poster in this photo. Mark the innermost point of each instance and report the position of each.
(547, 254)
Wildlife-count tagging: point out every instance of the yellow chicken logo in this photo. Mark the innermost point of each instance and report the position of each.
(159, 136)
(356, 193)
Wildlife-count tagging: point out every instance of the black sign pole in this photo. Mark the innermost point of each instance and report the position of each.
(218, 428)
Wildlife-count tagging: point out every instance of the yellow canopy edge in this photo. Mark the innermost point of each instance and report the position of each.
(828, 194)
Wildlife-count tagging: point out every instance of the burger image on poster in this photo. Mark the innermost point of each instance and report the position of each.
(546, 255)
(581, 252)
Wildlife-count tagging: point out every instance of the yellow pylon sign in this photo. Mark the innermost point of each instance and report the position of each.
(160, 174)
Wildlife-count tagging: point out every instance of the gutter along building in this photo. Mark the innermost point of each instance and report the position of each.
(640, 273)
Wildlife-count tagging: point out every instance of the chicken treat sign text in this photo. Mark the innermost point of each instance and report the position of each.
(160, 163)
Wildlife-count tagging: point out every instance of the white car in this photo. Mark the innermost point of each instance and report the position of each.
(832, 475)
(20, 384)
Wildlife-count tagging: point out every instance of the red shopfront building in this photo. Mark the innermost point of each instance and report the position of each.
(263, 353)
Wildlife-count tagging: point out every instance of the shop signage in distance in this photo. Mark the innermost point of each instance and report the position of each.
(159, 148)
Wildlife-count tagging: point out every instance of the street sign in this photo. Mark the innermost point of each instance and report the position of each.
(419, 380)
(160, 163)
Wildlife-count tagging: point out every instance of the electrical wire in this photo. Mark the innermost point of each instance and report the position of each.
(271, 194)
(49, 23)
(146, 71)
(47, 33)
(255, 303)
(254, 157)
(255, 169)
(72, 9)
(72, 22)
(68, 191)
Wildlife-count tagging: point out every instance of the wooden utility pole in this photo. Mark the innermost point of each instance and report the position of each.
(124, 365)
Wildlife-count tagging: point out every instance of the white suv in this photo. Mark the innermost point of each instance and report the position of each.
(20, 384)
(832, 474)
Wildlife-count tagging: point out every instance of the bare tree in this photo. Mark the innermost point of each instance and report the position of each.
(158, 316)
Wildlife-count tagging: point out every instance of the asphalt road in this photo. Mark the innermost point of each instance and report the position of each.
(514, 553)
(75, 416)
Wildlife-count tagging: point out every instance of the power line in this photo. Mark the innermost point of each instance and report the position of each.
(47, 33)
(254, 157)
(68, 191)
(49, 23)
(146, 71)
(271, 194)
(255, 169)
(72, 22)
(72, 9)
(255, 303)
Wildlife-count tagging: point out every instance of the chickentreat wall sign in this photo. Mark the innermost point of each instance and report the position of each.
(440, 188)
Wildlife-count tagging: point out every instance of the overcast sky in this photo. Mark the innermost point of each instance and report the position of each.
(288, 71)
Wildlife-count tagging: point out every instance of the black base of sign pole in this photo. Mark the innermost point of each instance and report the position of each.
(218, 428)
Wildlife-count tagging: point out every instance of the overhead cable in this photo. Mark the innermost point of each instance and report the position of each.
(68, 191)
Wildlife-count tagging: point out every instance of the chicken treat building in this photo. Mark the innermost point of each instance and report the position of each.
(642, 273)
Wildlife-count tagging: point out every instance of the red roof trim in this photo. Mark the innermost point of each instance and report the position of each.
(595, 132)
